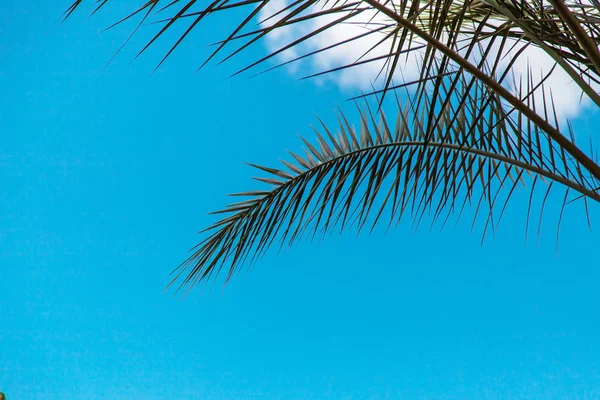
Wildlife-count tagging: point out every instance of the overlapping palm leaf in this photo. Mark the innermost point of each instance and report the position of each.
(388, 168)
(469, 132)
(535, 21)
(436, 29)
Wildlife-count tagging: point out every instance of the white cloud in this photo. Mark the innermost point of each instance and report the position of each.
(567, 94)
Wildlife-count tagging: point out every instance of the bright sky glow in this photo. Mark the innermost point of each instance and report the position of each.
(108, 173)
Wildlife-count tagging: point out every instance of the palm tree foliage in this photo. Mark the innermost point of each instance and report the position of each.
(467, 131)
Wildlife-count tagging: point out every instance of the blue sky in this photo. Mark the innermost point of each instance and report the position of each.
(109, 173)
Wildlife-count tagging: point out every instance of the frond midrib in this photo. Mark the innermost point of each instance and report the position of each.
(449, 146)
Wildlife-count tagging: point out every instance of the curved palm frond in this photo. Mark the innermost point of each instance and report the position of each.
(355, 177)
(464, 135)
(435, 29)
(536, 21)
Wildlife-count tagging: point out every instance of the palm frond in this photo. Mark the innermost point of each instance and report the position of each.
(463, 136)
(536, 21)
(358, 177)
(437, 30)
(541, 22)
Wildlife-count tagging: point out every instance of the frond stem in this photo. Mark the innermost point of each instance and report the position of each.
(450, 146)
(558, 58)
(553, 132)
(586, 43)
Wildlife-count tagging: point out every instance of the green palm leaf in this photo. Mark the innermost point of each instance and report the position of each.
(354, 177)
(464, 134)
(534, 21)
(442, 26)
